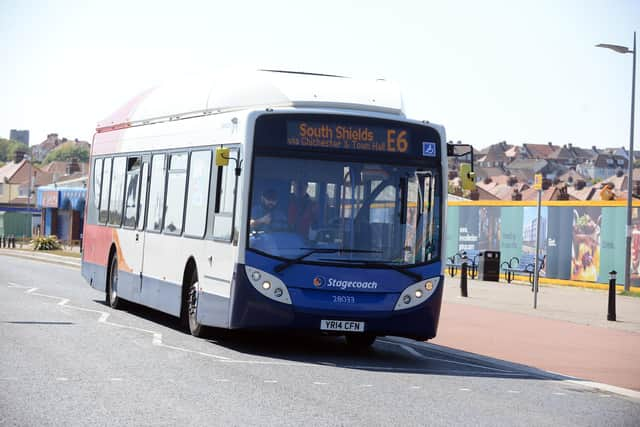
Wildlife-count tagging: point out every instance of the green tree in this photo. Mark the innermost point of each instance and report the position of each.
(67, 151)
(8, 149)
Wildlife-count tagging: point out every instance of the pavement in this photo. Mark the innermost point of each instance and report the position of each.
(568, 333)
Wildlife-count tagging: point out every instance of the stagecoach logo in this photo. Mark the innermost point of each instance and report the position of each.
(318, 281)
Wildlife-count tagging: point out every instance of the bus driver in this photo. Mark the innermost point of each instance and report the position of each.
(266, 216)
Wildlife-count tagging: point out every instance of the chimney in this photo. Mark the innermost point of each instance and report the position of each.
(546, 183)
(516, 195)
(20, 155)
(570, 146)
(550, 143)
(580, 184)
(73, 166)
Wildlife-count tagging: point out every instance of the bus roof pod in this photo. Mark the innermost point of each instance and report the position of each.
(237, 90)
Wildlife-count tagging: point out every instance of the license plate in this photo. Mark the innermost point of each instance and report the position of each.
(341, 325)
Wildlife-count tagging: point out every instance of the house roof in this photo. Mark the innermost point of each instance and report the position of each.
(496, 153)
(571, 173)
(532, 164)
(540, 151)
(8, 171)
(610, 161)
(60, 168)
(482, 172)
(17, 173)
(583, 194)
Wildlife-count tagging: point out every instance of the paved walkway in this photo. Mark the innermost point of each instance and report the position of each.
(568, 333)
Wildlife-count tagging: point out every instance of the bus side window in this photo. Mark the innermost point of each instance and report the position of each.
(223, 208)
(156, 193)
(104, 195)
(117, 191)
(142, 213)
(199, 177)
(176, 182)
(131, 195)
(96, 185)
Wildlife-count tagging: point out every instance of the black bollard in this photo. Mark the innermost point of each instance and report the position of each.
(611, 311)
(463, 276)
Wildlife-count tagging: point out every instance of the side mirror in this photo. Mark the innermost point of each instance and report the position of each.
(467, 177)
(222, 156)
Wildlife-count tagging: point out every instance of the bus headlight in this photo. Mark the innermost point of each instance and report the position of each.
(268, 285)
(417, 293)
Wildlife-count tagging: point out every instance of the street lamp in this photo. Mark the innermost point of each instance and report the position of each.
(27, 157)
(627, 258)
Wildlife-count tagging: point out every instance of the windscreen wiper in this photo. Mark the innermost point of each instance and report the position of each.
(366, 263)
(288, 263)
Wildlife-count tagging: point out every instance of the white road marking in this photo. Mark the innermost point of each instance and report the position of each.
(157, 337)
(365, 386)
(270, 381)
(319, 383)
(465, 389)
(115, 379)
(222, 380)
(415, 387)
(559, 394)
(62, 379)
(513, 391)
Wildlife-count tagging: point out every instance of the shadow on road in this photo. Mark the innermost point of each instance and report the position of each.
(388, 354)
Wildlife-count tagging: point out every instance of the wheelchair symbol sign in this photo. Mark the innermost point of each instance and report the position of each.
(429, 149)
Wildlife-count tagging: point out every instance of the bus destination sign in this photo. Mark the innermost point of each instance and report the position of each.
(335, 136)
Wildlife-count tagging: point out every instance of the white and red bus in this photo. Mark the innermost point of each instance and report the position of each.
(271, 200)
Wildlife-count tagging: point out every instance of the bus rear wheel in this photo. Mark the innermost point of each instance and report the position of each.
(195, 328)
(111, 298)
(360, 341)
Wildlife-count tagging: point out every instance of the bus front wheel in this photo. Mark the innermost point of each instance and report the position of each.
(112, 298)
(196, 329)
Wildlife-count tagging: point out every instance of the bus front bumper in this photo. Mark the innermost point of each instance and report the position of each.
(251, 310)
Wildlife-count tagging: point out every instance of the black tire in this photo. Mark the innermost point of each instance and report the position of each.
(112, 299)
(360, 341)
(191, 306)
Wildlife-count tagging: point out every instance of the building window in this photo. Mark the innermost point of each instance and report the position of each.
(197, 193)
(176, 182)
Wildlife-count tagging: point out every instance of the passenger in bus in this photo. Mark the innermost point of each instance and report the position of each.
(266, 215)
(302, 210)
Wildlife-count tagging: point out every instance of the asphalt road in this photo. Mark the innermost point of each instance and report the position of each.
(67, 359)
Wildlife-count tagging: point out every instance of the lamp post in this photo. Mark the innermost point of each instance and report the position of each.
(28, 158)
(627, 258)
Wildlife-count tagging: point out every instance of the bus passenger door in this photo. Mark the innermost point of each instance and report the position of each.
(139, 234)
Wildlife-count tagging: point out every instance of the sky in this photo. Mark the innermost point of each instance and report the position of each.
(489, 71)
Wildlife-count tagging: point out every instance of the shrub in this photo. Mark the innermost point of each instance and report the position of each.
(45, 243)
